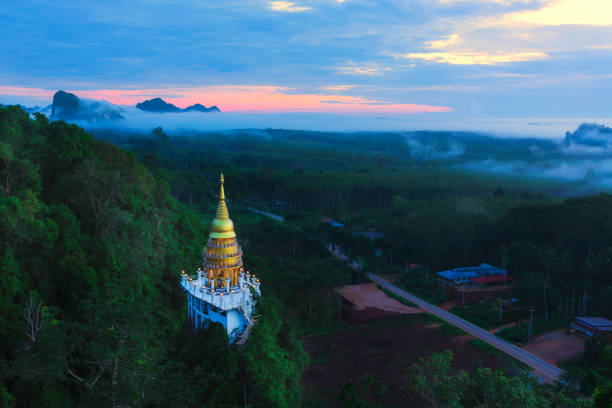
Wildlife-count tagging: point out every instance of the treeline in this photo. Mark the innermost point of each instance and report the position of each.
(189, 161)
(315, 170)
(562, 254)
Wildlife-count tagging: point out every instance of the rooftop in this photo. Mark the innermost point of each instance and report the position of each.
(492, 279)
(469, 272)
(600, 323)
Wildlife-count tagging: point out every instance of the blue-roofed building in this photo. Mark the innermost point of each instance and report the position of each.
(465, 275)
(333, 223)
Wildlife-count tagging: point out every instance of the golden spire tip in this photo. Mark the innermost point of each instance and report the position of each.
(221, 192)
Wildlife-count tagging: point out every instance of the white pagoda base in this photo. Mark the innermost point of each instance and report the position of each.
(232, 306)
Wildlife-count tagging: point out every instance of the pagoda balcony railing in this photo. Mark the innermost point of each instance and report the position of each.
(230, 298)
(212, 266)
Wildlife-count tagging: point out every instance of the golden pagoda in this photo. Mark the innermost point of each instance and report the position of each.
(221, 291)
(222, 255)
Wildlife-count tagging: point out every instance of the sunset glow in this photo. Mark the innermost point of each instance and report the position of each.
(234, 98)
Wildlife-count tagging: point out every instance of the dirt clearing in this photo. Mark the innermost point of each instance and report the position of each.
(384, 349)
(367, 295)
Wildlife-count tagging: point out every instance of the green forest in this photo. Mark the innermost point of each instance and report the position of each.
(96, 226)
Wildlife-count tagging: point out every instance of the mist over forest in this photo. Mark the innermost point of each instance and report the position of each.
(582, 158)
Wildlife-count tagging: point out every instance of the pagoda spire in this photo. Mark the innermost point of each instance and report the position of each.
(222, 226)
(222, 213)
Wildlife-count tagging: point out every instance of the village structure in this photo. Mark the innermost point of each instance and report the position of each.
(592, 326)
(483, 274)
(221, 290)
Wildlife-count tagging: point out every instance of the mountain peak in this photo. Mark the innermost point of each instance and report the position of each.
(157, 105)
(64, 104)
(201, 108)
(68, 106)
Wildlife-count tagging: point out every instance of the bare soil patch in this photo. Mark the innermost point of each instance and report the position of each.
(368, 296)
(556, 346)
(385, 349)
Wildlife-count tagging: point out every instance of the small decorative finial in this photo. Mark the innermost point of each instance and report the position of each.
(221, 191)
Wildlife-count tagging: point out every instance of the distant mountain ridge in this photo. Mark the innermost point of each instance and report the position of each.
(158, 105)
(591, 135)
(68, 106)
(46, 110)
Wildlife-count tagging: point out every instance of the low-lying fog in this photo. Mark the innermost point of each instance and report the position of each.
(136, 119)
(550, 148)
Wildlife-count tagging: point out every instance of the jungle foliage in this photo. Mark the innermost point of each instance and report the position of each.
(93, 237)
(91, 311)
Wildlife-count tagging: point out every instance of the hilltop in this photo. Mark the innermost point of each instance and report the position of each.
(160, 106)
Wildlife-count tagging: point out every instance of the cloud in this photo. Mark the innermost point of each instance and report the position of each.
(142, 45)
(474, 58)
(337, 87)
(503, 2)
(36, 93)
(561, 12)
(448, 41)
(502, 75)
(425, 149)
(589, 138)
(286, 6)
(369, 69)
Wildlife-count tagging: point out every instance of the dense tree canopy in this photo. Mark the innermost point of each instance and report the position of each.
(91, 311)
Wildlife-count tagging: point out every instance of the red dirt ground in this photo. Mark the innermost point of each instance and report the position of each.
(367, 295)
(556, 346)
(385, 349)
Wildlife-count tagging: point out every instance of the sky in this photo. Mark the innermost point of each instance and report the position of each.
(440, 60)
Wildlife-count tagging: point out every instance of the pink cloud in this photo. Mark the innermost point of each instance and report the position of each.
(237, 98)
(32, 92)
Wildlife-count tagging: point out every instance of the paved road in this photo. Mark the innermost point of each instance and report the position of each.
(546, 371)
(337, 252)
(268, 214)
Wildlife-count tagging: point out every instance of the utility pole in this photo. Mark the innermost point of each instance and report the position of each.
(530, 328)
(463, 294)
(545, 302)
(500, 310)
